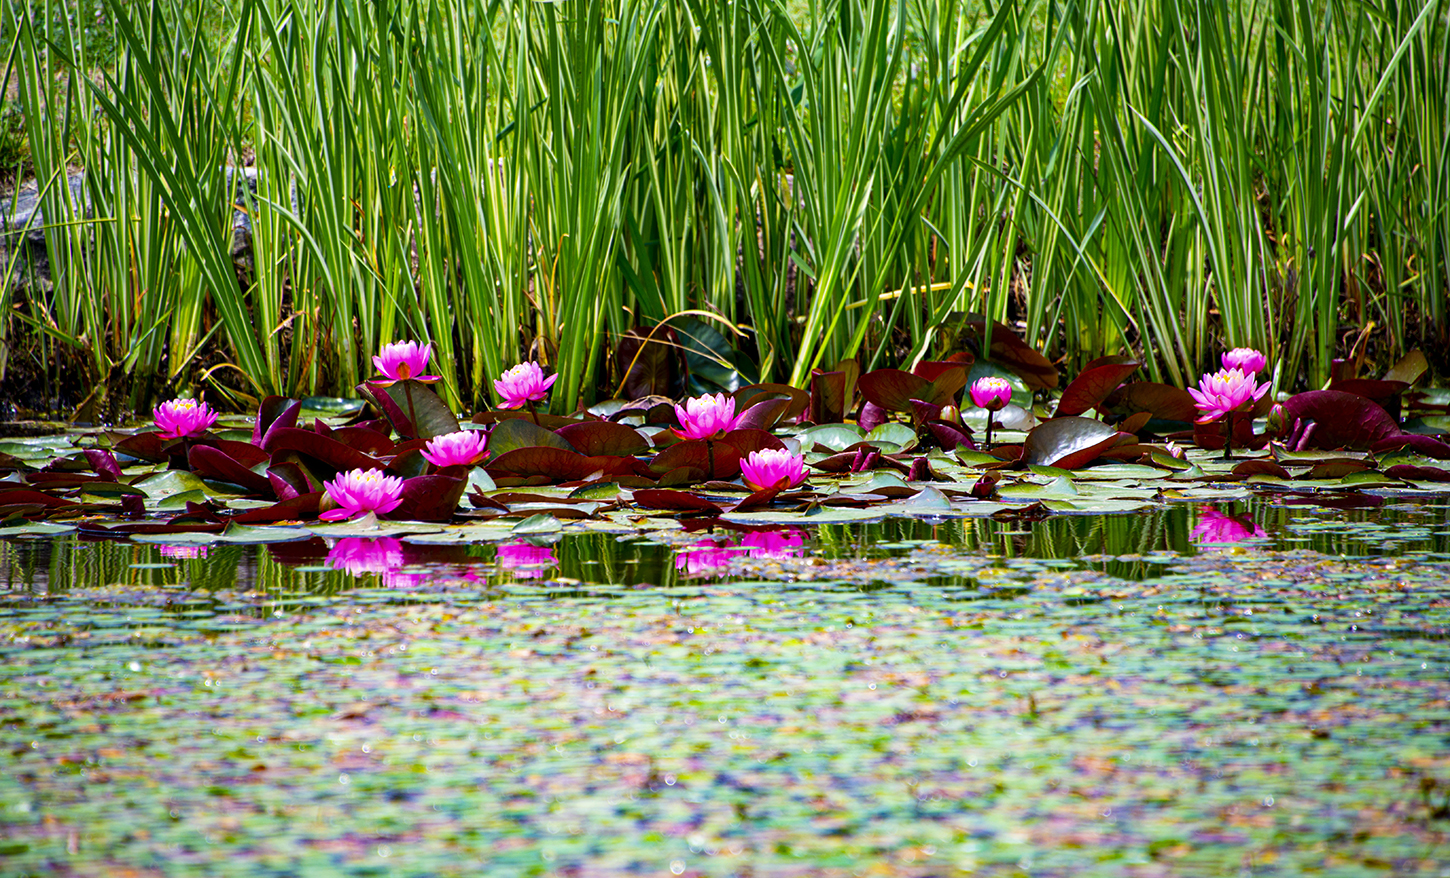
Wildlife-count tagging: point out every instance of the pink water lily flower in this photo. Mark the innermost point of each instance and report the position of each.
(360, 491)
(1215, 527)
(525, 560)
(706, 417)
(772, 468)
(402, 360)
(464, 448)
(1225, 391)
(991, 393)
(183, 418)
(1246, 360)
(523, 384)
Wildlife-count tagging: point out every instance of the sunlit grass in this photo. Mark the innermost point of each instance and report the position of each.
(833, 180)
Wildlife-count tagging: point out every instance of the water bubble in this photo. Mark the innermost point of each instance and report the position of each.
(384, 851)
(677, 866)
(343, 779)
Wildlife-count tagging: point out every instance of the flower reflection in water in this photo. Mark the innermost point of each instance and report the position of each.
(184, 552)
(714, 557)
(1215, 527)
(777, 544)
(525, 560)
(707, 557)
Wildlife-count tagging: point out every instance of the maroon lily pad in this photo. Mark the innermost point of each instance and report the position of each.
(753, 395)
(364, 440)
(765, 413)
(26, 497)
(326, 451)
(1094, 383)
(950, 436)
(104, 463)
(1412, 473)
(1426, 445)
(745, 441)
(289, 481)
(559, 465)
(1162, 401)
(298, 508)
(274, 410)
(1330, 419)
(1068, 442)
(893, 389)
(699, 454)
(1016, 355)
(831, 394)
(757, 499)
(517, 433)
(602, 437)
(1260, 468)
(413, 408)
(430, 498)
(213, 463)
(660, 498)
(872, 416)
(147, 446)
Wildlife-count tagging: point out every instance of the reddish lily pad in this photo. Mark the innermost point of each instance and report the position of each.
(1331, 419)
(1162, 401)
(893, 389)
(213, 463)
(1095, 383)
(1068, 443)
(698, 454)
(274, 411)
(413, 408)
(602, 437)
(660, 498)
(1014, 354)
(517, 433)
(831, 395)
(747, 398)
(322, 449)
(430, 498)
(1412, 473)
(298, 508)
(558, 465)
(746, 440)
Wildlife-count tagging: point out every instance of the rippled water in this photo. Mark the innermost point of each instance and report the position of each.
(1258, 689)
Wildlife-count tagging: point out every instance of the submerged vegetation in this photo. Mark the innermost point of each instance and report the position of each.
(690, 197)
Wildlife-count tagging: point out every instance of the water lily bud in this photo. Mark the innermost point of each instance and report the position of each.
(951, 415)
(1276, 420)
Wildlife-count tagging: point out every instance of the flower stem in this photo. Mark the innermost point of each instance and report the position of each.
(533, 411)
(412, 416)
(989, 431)
(1228, 438)
(710, 455)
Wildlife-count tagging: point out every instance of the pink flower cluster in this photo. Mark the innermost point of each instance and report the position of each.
(403, 360)
(524, 383)
(183, 418)
(772, 468)
(1227, 390)
(464, 448)
(706, 417)
(991, 393)
(360, 491)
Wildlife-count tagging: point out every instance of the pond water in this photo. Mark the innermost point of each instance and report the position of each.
(1249, 689)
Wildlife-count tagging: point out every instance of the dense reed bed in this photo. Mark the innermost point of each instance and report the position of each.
(774, 187)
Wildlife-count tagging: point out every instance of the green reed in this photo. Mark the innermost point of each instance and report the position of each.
(819, 181)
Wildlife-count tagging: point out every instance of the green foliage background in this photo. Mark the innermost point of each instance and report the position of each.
(804, 182)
